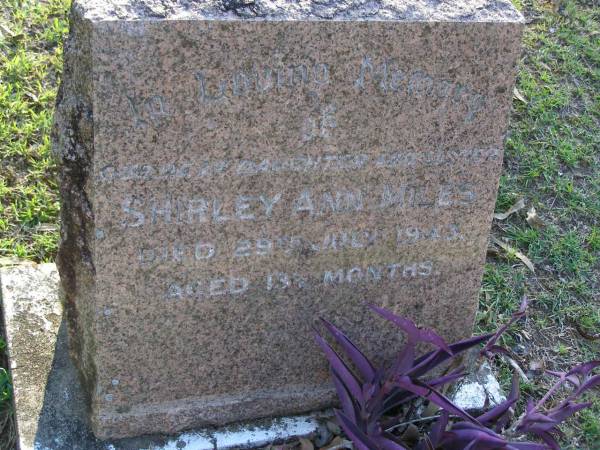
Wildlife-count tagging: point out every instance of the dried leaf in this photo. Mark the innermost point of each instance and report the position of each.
(305, 444)
(518, 205)
(519, 96)
(524, 259)
(534, 220)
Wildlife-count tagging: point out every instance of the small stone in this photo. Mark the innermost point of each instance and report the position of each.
(478, 391)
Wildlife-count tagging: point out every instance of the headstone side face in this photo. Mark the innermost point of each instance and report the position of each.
(227, 181)
(72, 143)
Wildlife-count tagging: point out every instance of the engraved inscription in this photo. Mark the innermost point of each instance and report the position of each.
(261, 81)
(389, 79)
(208, 215)
(228, 285)
(320, 125)
(148, 111)
(324, 163)
(205, 252)
(172, 209)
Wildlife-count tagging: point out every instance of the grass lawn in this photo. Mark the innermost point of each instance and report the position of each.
(552, 161)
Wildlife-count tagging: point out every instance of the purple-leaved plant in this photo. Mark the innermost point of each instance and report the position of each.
(371, 396)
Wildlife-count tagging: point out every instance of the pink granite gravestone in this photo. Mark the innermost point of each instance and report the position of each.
(230, 172)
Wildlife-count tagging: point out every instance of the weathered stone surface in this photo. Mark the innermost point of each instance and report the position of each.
(51, 411)
(478, 391)
(230, 173)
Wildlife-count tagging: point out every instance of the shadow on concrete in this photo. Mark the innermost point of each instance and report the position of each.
(63, 423)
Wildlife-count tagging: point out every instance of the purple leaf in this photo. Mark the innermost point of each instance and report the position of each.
(440, 381)
(359, 438)
(529, 405)
(384, 443)
(466, 433)
(471, 446)
(584, 369)
(573, 379)
(549, 440)
(414, 333)
(356, 356)
(438, 428)
(340, 369)
(400, 397)
(493, 414)
(430, 360)
(344, 397)
(537, 417)
(588, 384)
(430, 393)
(567, 410)
(405, 359)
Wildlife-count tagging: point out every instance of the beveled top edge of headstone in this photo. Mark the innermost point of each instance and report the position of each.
(467, 11)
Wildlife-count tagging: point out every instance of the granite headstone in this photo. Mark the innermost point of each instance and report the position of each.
(230, 171)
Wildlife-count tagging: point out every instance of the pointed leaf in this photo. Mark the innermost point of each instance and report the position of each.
(490, 416)
(430, 393)
(588, 384)
(466, 434)
(438, 428)
(340, 368)
(359, 438)
(472, 444)
(361, 362)
(567, 410)
(549, 440)
(414, 333)
(584, 369)
(451, 377)
(430, 360)
(344, 397)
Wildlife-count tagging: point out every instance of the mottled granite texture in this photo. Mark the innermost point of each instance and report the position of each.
(51, 412)
(231, 171)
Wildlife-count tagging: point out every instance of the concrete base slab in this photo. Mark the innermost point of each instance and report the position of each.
(50, 403)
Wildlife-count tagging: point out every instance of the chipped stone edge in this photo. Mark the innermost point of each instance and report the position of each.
(303, 10)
